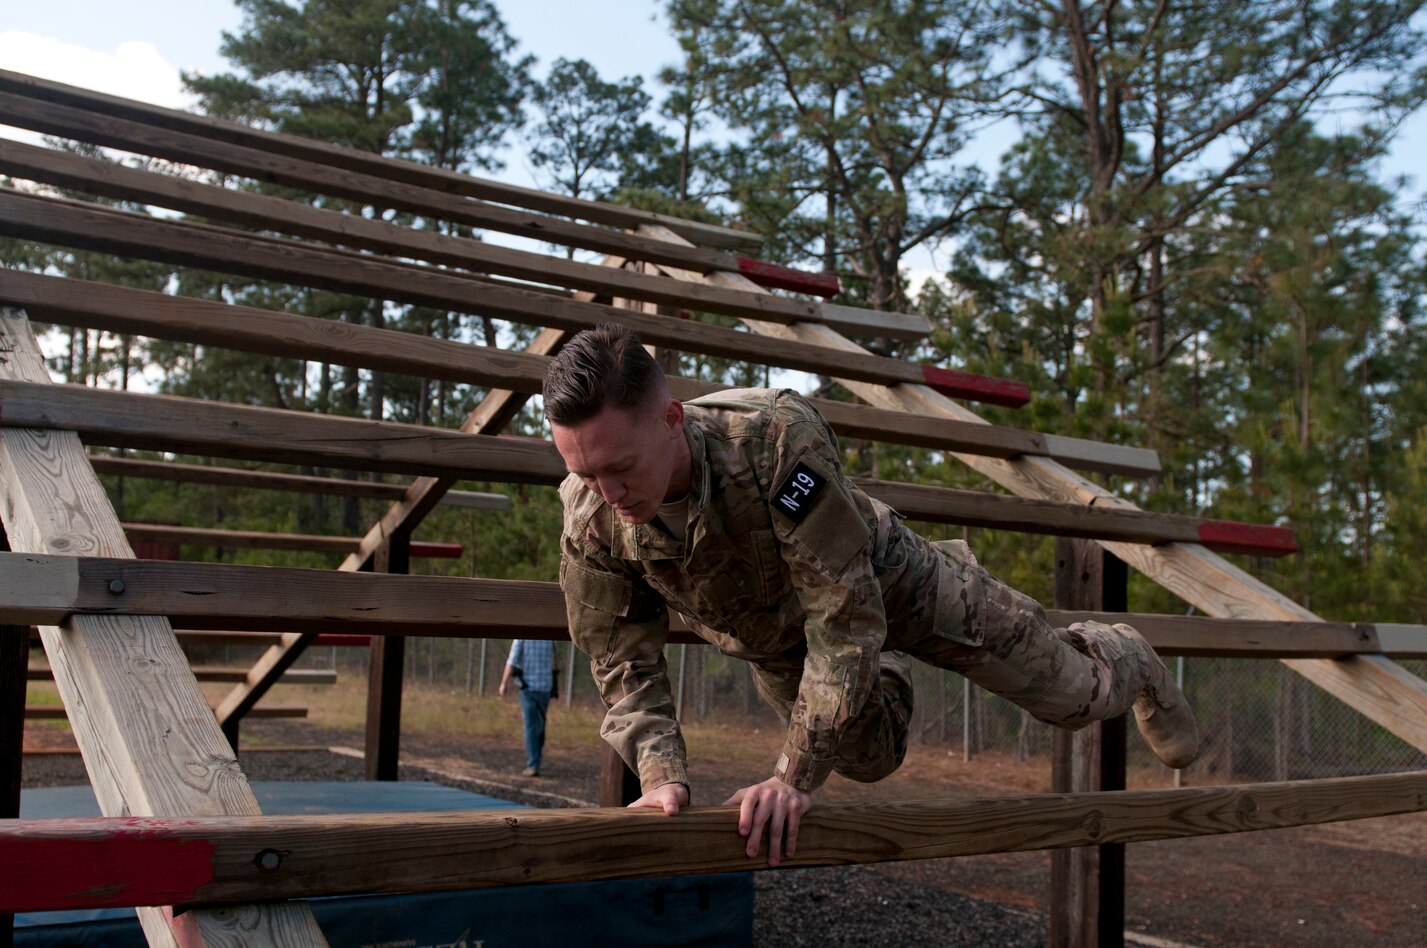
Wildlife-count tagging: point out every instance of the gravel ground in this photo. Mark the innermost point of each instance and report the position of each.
(827, 907)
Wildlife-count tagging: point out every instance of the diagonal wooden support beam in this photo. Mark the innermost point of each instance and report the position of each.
(1375, 686)
(149, 742)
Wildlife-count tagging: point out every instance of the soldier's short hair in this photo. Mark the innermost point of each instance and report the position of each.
(600, 367)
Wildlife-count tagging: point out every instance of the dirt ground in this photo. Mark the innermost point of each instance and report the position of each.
(1362, 884)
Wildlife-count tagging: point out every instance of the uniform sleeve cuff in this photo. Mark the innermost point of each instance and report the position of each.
(800, 771)
(654, 772)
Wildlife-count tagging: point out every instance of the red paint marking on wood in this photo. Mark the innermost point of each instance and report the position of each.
(342, 640)
(778, 277)
(433, 549)
(127, 863)
(977, 388)
(1228, 536)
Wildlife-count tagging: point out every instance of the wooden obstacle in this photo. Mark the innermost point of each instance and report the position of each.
(91, 863)
(97, 608)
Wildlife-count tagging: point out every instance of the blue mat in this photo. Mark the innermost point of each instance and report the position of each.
(695, 910)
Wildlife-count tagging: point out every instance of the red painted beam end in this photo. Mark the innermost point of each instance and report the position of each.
(448, 551)
(776, 277)
(1228, 536)
(342, 640)
(977, 388)
(121, 863)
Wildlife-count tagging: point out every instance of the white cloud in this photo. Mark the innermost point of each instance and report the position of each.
(134, 69)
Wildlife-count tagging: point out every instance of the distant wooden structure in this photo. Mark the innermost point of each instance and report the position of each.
(154, 747)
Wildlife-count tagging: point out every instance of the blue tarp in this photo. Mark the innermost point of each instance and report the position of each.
(693, 910)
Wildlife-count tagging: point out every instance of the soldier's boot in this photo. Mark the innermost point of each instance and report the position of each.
(1162, 713)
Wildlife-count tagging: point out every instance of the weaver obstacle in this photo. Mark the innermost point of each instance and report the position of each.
(162, 762)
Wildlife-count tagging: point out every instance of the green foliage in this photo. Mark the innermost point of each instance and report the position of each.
(589, 134)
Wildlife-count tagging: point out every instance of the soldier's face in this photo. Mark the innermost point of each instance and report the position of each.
(635, 460)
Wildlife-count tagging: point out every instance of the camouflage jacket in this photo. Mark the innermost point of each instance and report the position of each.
(778, 563)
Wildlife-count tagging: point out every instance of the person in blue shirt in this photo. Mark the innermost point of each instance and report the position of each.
(532, 663)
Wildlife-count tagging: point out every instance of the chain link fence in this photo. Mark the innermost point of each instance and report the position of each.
(1258, 720)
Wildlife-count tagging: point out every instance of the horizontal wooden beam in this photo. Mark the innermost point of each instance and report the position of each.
(52, 712)
(112, 131)
(212, 596)
(183, 319)
(351, 159)
(270, 480)
(41, 590)
(95, 863)
(981, 509)
(187, 425)
(293, 676)
(263, 212)
(259, 540)
(260, 639)
(1203, 636)
(192, 426)
(88, 226)
(168, 423)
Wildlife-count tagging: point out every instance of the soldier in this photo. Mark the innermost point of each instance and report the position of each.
(733, 510)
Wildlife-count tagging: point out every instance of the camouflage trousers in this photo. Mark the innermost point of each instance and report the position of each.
(944, 609)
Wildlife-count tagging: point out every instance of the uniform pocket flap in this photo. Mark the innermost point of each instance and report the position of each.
(604, 592)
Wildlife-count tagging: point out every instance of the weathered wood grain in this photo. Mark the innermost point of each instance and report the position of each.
(150, 742)
(241, 858)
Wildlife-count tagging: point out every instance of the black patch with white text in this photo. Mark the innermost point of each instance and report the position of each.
(798, 492)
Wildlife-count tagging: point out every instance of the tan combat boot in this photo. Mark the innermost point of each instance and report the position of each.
(1162, 713)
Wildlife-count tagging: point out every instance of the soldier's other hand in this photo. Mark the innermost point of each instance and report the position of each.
(777, 806)
(668, 798)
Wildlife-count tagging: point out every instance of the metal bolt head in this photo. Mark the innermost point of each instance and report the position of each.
(269, 860)
(116, 586)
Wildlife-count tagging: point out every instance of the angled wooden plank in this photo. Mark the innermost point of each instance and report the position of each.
(337, 156)
(398, 852)
(88, 226)
(140, 312)
(1373, 685)
(150, 744)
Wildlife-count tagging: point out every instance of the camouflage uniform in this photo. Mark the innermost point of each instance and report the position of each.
(789, 566)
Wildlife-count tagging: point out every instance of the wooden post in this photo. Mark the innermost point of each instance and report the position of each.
(14, 659)
(619, 786)
(384, 677)
(1087, 903)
